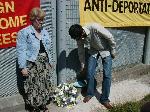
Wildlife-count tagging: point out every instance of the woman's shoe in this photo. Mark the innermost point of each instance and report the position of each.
(35, 110)
(44, 108)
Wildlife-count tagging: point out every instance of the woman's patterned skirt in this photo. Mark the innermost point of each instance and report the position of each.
(37, 85)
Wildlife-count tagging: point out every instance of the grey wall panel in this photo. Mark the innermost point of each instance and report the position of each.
(72, 64)
(130, 43)
(8, 77)
(49, 6)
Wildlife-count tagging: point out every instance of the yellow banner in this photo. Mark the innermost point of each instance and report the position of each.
(115, 13)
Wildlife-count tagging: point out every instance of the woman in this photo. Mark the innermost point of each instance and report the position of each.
(34, 59)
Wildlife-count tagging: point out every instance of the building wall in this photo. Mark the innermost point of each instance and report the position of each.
(130, 44)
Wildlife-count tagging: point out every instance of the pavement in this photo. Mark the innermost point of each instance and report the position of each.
(128, 85)
(121, 92)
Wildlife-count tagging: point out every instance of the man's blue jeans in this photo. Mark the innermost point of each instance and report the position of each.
(107, 67)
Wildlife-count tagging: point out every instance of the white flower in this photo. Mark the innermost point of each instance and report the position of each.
(74, 91)
(59, 85)
(58, 105)
(60, 93)
(72, 99)
(65, 95)
(66, 88)
(64, 99)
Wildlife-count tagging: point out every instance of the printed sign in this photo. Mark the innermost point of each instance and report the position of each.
(115, 13)
(13, 17)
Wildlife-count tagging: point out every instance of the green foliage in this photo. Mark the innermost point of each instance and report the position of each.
(146, 99)
(128, 106)
(131, 106)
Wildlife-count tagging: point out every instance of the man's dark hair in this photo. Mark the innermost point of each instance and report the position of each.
(75, 31)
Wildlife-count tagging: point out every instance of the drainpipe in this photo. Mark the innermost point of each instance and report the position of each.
(61, 41)
(147, 48)
(53, 5)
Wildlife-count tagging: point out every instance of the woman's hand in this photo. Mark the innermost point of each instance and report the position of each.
(51, 66)
(24, 72)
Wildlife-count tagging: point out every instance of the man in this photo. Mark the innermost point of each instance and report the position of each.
(100, 43)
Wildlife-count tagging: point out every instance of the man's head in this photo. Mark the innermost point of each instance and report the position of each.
(77, 32)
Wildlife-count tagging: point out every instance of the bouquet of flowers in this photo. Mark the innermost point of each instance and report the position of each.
(65, 95)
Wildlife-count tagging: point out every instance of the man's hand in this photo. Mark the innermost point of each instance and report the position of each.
(83, 71)
(82, 66)
(24, 72)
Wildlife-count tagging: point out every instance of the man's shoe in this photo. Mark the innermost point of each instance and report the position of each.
(79, 84)
(107, 105)
(86, 99)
